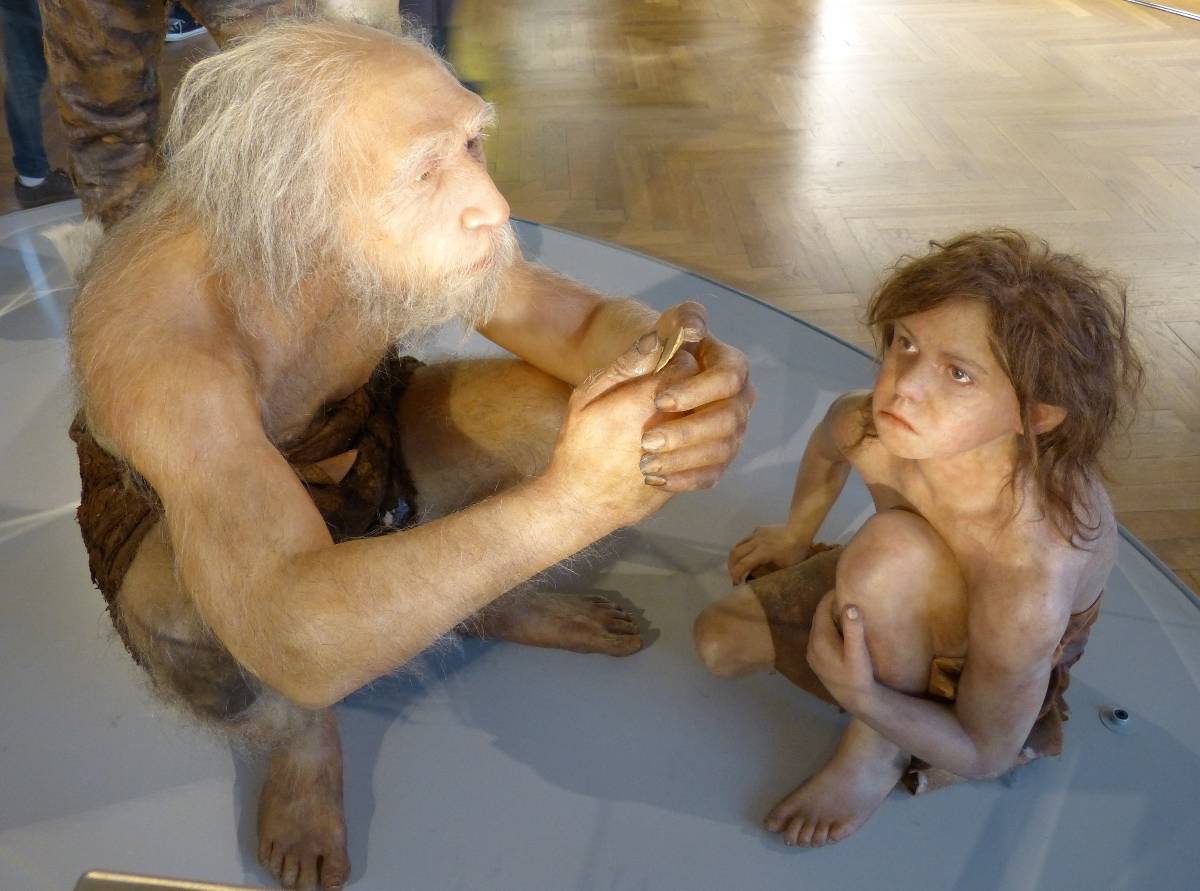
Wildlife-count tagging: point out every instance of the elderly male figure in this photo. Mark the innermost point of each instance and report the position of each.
(248, 430)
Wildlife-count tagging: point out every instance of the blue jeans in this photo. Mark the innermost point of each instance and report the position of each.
(24, 77)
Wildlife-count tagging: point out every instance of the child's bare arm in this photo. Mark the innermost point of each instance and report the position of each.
(1000, 692)
(820, 479)
(1013, 633)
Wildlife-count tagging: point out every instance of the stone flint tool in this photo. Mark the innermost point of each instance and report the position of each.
(670, 350)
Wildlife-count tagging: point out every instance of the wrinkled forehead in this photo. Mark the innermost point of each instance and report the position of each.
(410, 102)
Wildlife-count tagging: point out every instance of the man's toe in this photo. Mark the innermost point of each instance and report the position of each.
(623, 644)
(306, 877)
(333, 871)
(291, 869)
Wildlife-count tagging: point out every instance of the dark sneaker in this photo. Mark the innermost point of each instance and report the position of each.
(55, 187)
(183, 27)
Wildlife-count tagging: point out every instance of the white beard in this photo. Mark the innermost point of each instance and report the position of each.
(403, 303)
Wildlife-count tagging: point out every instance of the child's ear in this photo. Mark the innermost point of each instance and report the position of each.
(1044, 418)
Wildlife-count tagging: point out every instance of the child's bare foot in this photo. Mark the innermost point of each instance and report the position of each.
(301, 824)
(581, 624)
(836, 801)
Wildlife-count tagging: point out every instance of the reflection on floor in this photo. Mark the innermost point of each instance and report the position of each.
(503, 767)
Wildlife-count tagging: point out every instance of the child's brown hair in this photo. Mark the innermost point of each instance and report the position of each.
(1059, 329)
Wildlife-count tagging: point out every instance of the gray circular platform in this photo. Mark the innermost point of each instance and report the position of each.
(507, 767)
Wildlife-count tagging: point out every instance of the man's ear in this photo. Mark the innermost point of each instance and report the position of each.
(1043, 418)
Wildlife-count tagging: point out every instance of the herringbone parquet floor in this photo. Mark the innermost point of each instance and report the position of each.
(795, 149)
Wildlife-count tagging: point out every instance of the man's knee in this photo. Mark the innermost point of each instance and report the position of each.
(729, 643)
(167, 636)
(469, 429)
(203, 676)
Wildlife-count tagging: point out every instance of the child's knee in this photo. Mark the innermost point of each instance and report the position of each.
(729, 643)
(906, 581)
(895, 557)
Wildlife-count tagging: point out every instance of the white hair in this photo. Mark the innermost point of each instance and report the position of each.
(251, 145)
(258, 160)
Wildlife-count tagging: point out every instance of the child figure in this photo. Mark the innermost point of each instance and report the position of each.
(949, 623)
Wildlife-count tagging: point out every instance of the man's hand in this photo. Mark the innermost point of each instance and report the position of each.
(705, 413)
(766, 549)
(596, 459)
(841, 659)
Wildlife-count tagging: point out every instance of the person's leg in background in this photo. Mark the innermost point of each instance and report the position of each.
(103, 58)
(227, 19)
(24, 77)
(434, 15)
(181, 25)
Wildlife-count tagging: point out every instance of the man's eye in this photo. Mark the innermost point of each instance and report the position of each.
(427, 175)
(904, 343)
(475, 146)
(959, 375)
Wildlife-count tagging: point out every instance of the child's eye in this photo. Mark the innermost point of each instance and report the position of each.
(959, 375)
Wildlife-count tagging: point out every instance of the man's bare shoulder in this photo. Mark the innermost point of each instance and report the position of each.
(163, 292)
(154, 354)
(184, 410)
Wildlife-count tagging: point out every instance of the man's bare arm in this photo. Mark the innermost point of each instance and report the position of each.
(563, 327)
(317, 620)
(569, 331)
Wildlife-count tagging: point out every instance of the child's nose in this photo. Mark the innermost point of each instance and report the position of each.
(910, 381)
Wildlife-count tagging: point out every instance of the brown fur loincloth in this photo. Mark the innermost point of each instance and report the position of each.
(118, 508)
(790, 597)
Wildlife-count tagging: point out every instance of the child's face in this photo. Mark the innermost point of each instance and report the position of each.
(940, 391)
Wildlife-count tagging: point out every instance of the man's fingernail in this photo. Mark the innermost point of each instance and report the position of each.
(647, 342)
(649, 463)
(655, 480)
(652, 441)
(666, 402)
(852, 612)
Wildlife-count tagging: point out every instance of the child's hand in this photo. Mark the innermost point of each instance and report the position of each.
(838, 654)
(765, 550)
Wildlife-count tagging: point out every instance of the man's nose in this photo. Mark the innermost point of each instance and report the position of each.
(487, 208)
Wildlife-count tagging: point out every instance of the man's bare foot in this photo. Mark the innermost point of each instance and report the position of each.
(581, 624)
(836, 801)
(301, 824)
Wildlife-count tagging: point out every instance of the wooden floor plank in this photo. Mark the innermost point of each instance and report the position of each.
(795, 149)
